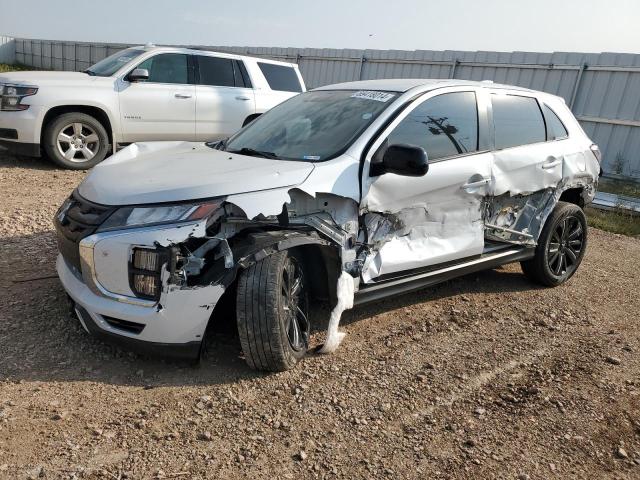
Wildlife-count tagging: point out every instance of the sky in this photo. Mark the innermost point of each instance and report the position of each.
(503, 25)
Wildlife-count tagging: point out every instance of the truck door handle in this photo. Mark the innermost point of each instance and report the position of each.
(476, 184)
(551, 162)
(182, 95)
(243, 98)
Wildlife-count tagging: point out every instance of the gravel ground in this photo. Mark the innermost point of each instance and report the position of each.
(486, 376)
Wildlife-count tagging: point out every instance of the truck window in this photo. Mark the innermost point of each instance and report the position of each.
(167, 68)
(216, 71)
(242, 80)
(280, 77)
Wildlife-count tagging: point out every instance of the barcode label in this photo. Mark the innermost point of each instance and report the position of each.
(373, 95)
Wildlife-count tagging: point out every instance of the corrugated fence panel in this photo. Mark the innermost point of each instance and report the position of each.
(603, 90)
(7, 50)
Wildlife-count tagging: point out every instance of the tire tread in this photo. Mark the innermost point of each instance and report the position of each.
(263, 341)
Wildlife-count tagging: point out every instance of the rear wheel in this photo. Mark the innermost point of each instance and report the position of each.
(272, 312)
(561, 246)
(76, 141)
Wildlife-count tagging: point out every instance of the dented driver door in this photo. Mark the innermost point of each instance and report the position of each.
(416, 222)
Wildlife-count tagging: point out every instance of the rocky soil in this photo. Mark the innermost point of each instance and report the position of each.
(486, 376)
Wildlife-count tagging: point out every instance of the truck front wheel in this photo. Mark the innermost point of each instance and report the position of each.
(76, 141)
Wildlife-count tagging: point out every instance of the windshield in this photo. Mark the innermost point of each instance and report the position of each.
(110, 65)
(312, 126)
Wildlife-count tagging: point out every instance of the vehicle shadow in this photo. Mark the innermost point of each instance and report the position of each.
(40, 340)
(10, 160)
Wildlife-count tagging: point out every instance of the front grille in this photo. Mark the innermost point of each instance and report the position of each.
(126, 325)
(78, 218)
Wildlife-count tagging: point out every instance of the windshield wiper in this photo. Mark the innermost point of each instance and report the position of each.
(217, 145)
(255, 153)
(89, 72)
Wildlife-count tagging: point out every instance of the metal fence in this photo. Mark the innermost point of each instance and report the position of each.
(7, 50)
(603, 90)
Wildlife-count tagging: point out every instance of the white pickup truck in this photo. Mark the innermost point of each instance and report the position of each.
(138, 94)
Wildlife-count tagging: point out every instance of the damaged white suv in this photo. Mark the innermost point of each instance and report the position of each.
(350, 192)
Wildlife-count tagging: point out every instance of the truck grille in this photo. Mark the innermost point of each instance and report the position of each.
(76, 219)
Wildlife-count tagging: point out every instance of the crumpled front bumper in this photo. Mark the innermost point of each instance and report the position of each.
(175, 326)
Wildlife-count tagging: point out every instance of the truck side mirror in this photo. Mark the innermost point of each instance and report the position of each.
(139, 74)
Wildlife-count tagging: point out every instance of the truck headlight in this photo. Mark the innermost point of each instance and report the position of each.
(129, 217)
(11, 96)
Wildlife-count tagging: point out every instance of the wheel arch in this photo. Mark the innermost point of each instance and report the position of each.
(319, 256)
(573, 195)
(97, 112)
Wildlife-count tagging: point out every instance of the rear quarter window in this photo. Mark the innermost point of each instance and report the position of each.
(555, 128)
(517, 120)
(280, 77)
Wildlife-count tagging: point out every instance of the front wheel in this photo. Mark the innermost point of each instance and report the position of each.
(76, 141)
(561, 246)
(272, 312)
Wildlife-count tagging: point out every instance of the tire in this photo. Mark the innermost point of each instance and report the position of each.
(560, 248)
(76, 141)
(267, 321)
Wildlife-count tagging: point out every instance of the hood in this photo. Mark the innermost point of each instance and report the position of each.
(157, 172)
(40, 78)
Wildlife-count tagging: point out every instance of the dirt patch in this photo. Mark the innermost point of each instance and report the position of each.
(486, 376)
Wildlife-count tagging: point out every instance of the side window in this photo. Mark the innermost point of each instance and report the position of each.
(517, 121)
(216, 71)
(444, 126)
(555, 127)
(167, 68)
(242, 69)
(280, 77)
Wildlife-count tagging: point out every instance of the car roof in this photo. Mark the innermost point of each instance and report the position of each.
(405, 84)
(206, 51)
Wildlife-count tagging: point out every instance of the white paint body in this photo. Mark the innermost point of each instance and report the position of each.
(144, 111)
(443, 217)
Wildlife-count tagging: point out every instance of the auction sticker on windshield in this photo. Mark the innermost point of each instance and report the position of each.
(373, 95)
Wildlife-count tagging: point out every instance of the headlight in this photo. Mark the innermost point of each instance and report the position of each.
(128, 217)
(144, 272)
(11, 96)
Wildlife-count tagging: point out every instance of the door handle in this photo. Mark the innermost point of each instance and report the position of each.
(551, 162)
(242, 98)
(476, 184)
(182, 95)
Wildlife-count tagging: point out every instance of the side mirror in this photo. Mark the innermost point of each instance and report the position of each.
(138, 74)
(406, 160)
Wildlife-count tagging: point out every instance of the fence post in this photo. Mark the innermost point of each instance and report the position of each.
(362, 60)
(452, 72)
(576, 86)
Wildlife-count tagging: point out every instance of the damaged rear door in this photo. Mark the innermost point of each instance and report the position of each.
(415, 222)
(526, 168)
